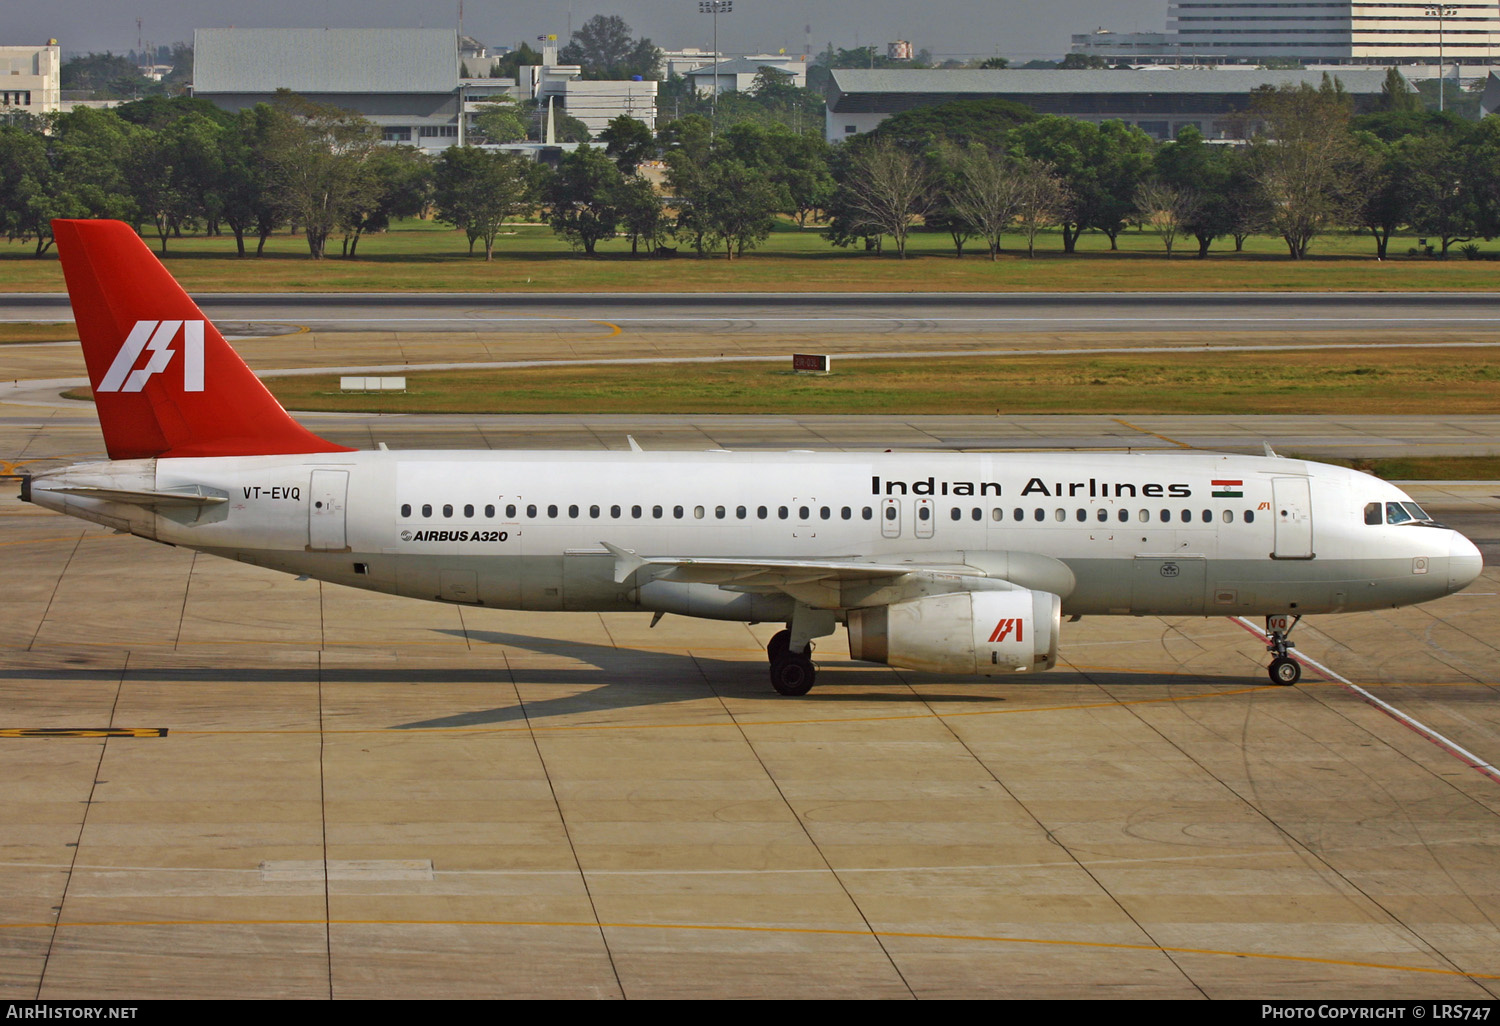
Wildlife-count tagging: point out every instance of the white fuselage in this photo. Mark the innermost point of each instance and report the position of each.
(1111, 533)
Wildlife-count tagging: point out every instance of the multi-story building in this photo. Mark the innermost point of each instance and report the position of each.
(1161, 102)
(1314, 32)
(407, 81)
(31, 78)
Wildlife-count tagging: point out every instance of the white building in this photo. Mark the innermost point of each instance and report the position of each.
(404, 80)
(31, 78)
(595, 103)
(1337, 32)
(690, 58)
(738, 75)
(1160, 102)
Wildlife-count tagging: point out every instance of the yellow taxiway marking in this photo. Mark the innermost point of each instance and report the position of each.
(29, 732)
(780, 930)
(1153, 434)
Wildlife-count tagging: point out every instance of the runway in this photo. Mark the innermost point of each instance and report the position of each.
(223, 782)
(880, 314)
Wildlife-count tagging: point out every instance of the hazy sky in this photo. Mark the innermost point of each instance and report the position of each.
(1012, 28)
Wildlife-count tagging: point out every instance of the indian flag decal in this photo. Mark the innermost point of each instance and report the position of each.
(1228, 489)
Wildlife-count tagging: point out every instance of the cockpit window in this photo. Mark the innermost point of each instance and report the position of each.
(1373, 513)
(1405, 513)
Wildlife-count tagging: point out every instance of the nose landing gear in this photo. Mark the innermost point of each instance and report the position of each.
(1283, 669)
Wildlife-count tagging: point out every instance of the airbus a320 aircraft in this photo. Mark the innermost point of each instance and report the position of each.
(950, 563)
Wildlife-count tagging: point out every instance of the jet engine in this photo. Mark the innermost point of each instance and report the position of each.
(984, 632)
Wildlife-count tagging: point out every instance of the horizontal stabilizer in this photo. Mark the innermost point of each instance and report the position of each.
(153, 500)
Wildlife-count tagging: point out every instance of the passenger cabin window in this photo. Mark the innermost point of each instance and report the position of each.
(447, 510)
(510, 511)
(406, 509)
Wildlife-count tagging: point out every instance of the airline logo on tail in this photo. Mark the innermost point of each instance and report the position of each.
(1004, 627)
(155, 338)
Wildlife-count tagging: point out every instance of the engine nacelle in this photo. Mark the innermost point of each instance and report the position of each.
(985, 632)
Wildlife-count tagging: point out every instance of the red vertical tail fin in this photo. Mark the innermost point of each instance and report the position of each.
(165, 381)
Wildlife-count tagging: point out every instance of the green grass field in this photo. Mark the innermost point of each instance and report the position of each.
(1330, 381)
(426, 256)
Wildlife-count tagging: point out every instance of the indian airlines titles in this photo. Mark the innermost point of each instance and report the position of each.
(1093, 488)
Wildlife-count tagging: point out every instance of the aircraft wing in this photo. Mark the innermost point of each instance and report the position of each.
(820, 582)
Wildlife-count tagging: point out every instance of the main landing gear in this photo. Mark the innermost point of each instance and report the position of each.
(792, 673)
(1283, 669)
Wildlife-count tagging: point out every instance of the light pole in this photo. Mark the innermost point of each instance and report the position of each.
(715, 7)
(1440, 12)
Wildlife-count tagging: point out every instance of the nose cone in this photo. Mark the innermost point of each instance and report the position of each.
(1464, 563)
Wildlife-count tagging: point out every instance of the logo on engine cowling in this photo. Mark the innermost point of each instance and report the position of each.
(156, 336)
(1004, 627)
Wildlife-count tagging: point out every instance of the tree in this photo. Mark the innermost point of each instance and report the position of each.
(86, 152)
(1386, 203)
(246, 200)
(984, 190)
(1396, 95)
(641, 215)
(1444, 184)
(1206, 172)
(1042, 200)
(104, 76)
(582, 197)
(399, 184)
(1100, 165)
(1165, 208)
(315, 156)
(604, 49)
(735, 204)
(628, 142)
(500, 120)
(479, 190)
(510, 65)
(987, 123)
(993, 64)
(26, 188)
(1302, 159)
(884, 190)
